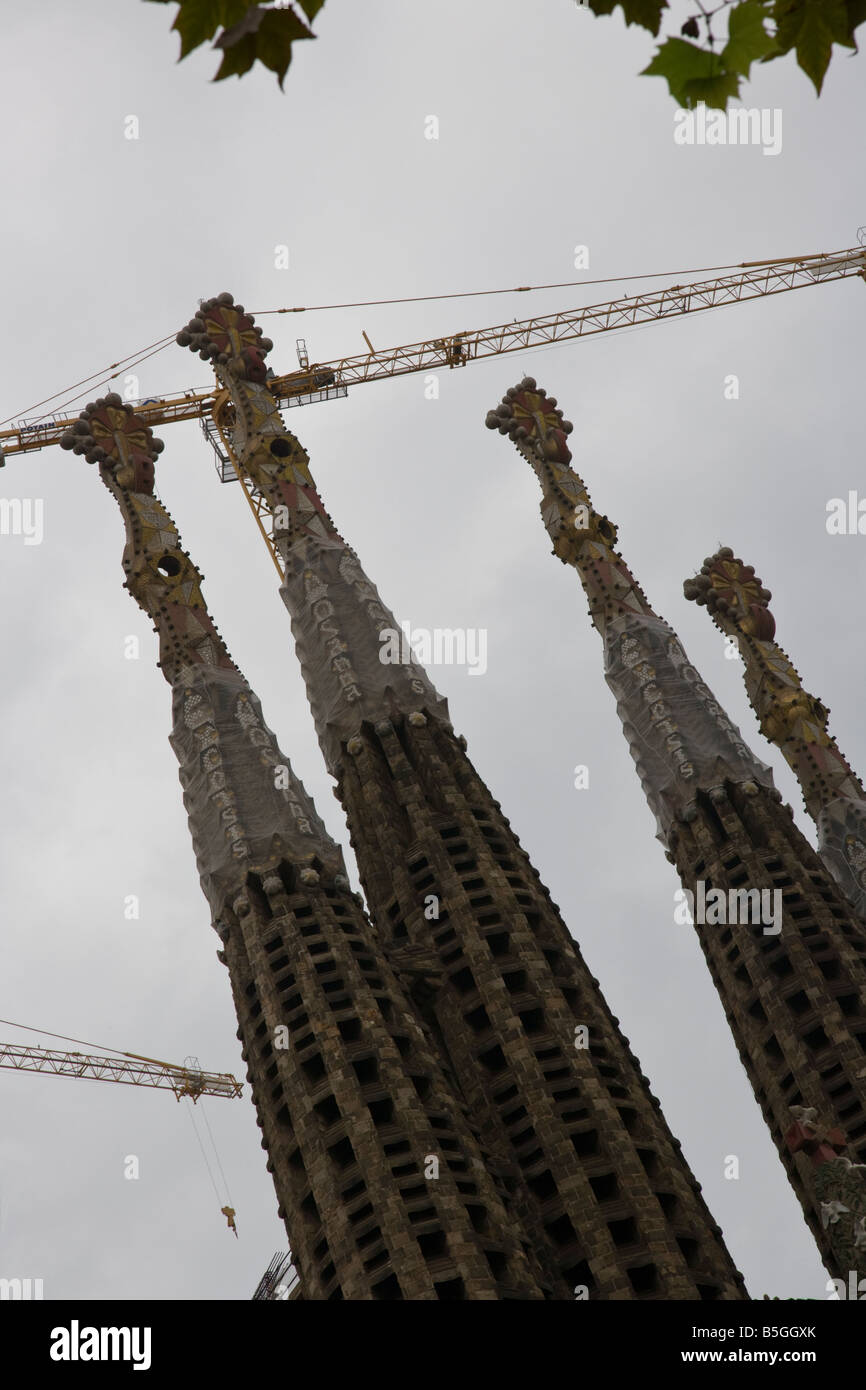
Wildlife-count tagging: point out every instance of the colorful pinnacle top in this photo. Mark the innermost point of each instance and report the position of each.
(108, 431)
(581, 536)
(789, 717)
(222, 332)
(727, 587)
(274, 460)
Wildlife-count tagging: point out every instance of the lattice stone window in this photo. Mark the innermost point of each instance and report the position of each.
(388, 1288)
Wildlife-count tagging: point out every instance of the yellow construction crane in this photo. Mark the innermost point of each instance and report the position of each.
(325, 381)
(131, 1069)
(128, 1068)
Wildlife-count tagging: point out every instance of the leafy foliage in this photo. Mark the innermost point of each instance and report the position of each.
(248, 32)
(697, 66)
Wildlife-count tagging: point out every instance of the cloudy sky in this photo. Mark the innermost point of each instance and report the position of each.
(548, 140)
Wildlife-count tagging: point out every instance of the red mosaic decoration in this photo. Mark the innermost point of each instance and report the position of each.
(224, 332)
(109, 432)
(188, 626)
(822, 1146)
(727, 586)
(530, 417)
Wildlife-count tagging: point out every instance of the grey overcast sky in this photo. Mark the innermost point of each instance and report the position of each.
(548, 140)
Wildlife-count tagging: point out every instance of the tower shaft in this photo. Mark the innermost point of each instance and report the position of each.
(379, 1175)
(598, 1178)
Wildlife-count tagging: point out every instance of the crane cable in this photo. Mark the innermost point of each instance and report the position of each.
(44, 1032)
(215, 1150)
(227, 1206)
(103, 381)
(124, 361)
(511, 289)
(189, 1110)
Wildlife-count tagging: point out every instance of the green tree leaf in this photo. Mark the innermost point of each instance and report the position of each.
(748, 40)
(249, 32)
(197, 21)
(647, 13)
(812, 27)
(237, 59)
(714, 91)
(693, 74)
(856, 15)
(278, 30)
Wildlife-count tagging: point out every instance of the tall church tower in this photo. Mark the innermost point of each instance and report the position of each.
(379, 1176)
(566, 1113)
(790, 718)
(794, 987)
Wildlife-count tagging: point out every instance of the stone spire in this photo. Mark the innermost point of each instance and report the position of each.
(337, 614)
(789, 717)
(680, 738)
(792, 980)
(378, 1171)
(597, 1178)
